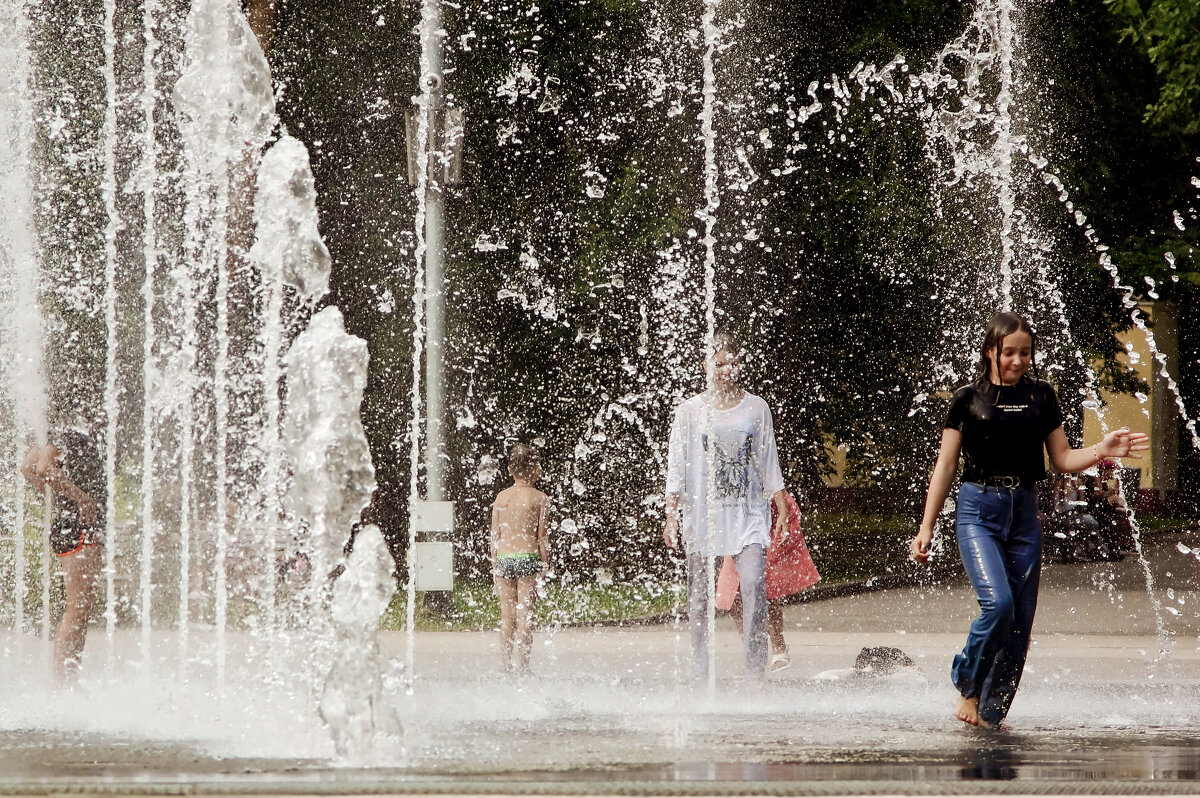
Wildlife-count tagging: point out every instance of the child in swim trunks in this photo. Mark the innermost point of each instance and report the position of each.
(520, 553)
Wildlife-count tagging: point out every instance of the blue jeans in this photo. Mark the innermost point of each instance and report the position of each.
(1000, 540)
(751, 568)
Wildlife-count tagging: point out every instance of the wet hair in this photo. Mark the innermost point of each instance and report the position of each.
(726, 341)
(1003, 324)
(523, 460)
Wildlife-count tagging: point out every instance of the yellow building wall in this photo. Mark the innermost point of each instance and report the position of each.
(837, 458)
(1153, 413)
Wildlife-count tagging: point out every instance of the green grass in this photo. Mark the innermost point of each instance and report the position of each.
(856, 546)
(1153, 523)
(477, 607)
(852, 546)
(845, 546)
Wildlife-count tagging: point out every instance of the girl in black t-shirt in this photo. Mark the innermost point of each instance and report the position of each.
(1000, 424)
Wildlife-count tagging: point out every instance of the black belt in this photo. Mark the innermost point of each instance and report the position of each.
(1010, 482)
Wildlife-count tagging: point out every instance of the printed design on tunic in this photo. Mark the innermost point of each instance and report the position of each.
(731, 481)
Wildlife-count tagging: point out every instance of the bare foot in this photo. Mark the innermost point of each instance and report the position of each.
(967, 710)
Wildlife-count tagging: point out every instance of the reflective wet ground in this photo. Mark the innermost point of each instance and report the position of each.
(574, 758)
(614, 736)
(1109, 705)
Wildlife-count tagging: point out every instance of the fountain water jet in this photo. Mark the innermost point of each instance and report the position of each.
(222, 260)
(708, 215)
(21, 334)
(212, 242)
(226, 102)
(150, 255)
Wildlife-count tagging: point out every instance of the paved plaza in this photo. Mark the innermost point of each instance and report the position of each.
(1109, 704)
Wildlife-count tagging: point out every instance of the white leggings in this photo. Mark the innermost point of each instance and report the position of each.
(751, 568)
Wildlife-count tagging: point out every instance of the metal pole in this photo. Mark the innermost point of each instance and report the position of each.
(435, 305)
(435, 294)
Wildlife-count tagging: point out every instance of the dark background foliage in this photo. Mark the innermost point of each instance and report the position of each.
(574, 268)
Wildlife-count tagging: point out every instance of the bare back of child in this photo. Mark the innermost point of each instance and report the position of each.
(520, 552)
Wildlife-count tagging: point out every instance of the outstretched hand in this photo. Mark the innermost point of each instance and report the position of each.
(1123, 443)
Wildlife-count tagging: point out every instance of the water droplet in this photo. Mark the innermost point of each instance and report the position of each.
(488, 470)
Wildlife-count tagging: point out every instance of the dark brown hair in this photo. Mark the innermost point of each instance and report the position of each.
(726, 341)
(523, 460)
(1003, 324)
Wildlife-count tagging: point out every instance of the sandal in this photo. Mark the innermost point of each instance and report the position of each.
(780, 661)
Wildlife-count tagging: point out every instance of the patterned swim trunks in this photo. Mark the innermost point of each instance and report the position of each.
(514, 566)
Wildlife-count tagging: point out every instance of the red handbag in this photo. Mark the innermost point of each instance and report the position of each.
(728, 584)
(790, 567)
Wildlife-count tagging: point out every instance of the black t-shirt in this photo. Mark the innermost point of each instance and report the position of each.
(84, 464)
(1004, 428)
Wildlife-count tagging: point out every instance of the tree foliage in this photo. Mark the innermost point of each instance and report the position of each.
(859, 273)
(1168, 32)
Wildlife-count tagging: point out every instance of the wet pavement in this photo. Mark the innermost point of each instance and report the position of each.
(1109, 705)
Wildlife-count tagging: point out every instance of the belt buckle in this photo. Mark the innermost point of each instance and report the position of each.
(1012, 483)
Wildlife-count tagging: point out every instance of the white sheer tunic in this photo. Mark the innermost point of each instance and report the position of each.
(746, 475)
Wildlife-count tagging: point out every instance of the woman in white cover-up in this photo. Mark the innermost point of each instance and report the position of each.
(746, 480)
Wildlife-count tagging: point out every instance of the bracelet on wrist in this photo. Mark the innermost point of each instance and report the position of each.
(1096, 452)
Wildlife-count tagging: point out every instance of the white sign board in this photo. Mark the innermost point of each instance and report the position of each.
(434, 565)
(433, 517)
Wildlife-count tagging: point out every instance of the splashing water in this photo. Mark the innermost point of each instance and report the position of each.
(332, 480)
(352, 699)
(23, 379)
(21, 331)
(220, 462)
(242, 497)
(708, 216)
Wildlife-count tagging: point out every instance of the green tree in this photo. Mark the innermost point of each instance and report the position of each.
(574, 246)
(1168, 32)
